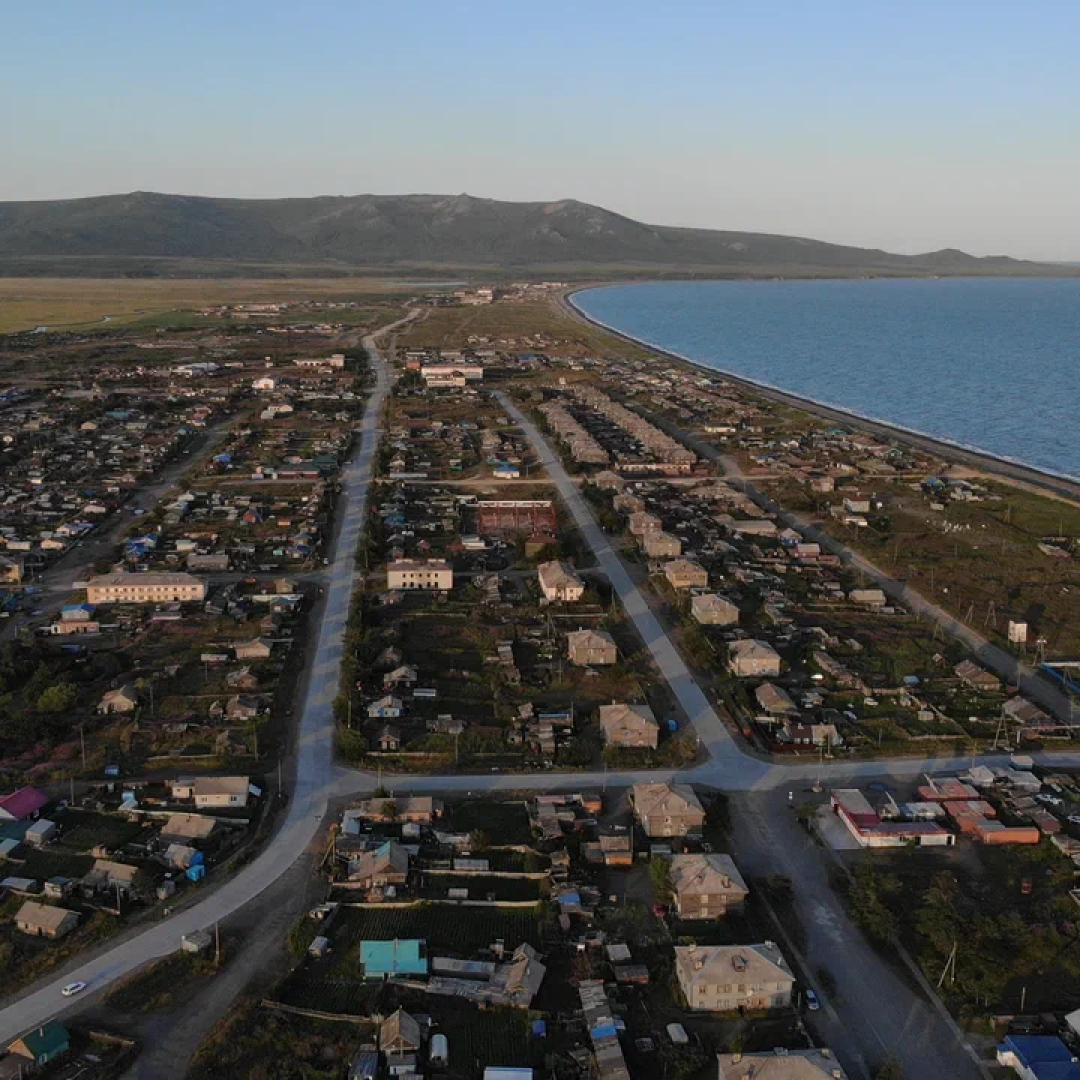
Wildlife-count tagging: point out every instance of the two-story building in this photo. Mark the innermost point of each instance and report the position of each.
(723, 978)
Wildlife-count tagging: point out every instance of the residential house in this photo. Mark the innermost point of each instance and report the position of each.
(976, 677)
(221, 791)
(870, 598)
(558, 582)
(403, 675)
(1038, 1057)
(256, 649)
(386, 865)
(661, 545)
(641, 522)
(240, 707)
(686, 574)
(431, 574)
(623, 724)
(389, 739)
(421, 809)
(401, 956)
(811, 734)
(399, 1033)
(711, 609)
(774, 701)
(185, 828)
(11, 571)
(707, 886)
(42, 1045)
(591, 648)
(21, 804)
(748, 658)
(667, 809)
(108, 876)
(124, 699)
(41, 920)
(809, 1064)
(722, 978)
(518, 982)
(148, 588)
(386, 708)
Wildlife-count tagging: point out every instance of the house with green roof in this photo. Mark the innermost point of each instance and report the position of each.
(383, 959)
(43, 1044)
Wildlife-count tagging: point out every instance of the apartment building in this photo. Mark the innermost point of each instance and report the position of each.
(150, 588)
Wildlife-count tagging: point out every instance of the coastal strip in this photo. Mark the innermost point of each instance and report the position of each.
(984, 461)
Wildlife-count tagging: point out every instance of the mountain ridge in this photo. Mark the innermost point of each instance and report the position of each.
(388, 231)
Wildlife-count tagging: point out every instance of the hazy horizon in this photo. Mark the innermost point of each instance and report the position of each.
(908, 129)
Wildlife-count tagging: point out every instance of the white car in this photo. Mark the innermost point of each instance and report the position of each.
(1074, 819)
(1048, 800)
(73, 988)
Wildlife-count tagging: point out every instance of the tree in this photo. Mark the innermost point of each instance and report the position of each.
(868, 905)
(56, 699)
(479, 840)
(890, 1069)
(660, 875)
(389, 810)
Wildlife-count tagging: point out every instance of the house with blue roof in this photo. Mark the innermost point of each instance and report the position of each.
(1038, 1057)
(400, 957)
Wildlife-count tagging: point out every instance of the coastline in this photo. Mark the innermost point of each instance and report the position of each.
(1017, 472)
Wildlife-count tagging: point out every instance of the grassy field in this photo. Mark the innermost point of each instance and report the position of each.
(502, 822)
(253, 1041)
(989, 555)
(174, 978)
(532, 325)
(79, 303)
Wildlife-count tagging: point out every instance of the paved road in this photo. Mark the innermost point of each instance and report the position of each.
(317, 775)
(873, 1011)
(710, 728)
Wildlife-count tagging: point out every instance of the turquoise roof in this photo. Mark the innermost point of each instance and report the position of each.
(47, 1042)
(397, 957)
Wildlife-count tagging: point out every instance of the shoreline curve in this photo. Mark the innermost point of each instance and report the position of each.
(1061, 484)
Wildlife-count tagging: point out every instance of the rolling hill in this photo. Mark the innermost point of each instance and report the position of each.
(145, 232)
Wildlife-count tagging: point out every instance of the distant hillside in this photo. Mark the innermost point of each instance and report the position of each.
(150, 233)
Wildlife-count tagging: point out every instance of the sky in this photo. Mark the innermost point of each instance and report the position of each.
(908, 126)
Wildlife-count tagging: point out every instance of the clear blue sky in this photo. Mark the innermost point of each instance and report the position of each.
(910, 126)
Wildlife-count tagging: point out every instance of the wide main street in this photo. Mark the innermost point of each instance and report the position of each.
(868, 1023)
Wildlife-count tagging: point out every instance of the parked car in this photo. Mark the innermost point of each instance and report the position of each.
(812, 1002)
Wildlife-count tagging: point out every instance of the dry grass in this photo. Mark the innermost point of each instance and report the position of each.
(527, 326)
(78, 303)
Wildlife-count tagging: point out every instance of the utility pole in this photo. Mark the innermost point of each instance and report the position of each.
(217, 944)
(82, 743)
(950, 967)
